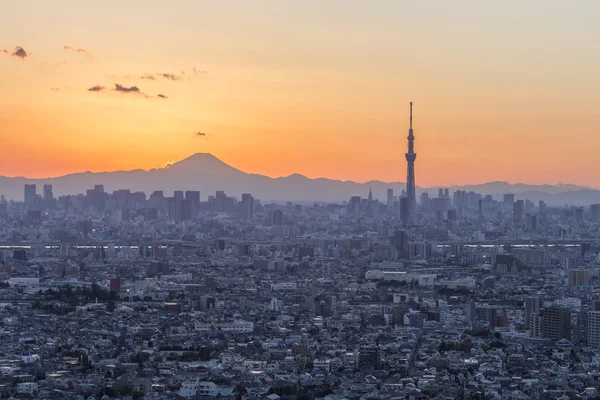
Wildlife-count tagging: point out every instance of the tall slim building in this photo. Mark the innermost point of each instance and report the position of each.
(30, 193)
(410, 171)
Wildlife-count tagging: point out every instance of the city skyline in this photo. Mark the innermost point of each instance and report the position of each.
(499, 88)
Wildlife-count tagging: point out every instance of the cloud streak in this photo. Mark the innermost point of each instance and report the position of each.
(162, 96)
(79, 50)
(129, 89)
(203, 135)
(96, 88)
(171, 77)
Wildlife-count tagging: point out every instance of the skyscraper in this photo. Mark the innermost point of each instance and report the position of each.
(30, 193)
(410, 171)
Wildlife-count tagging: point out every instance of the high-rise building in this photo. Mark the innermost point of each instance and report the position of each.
(400, 242)
(277, 217)
(595, 210)
(354, 206)
(509, 199)
(411, 156)
(578, 277)
(48, 195)
(194, 197)
(533, 305)
(186, 210)
(390, 199)
(246, 207)
(518, 207)
(405, 210)
(115, 285)
(174, 209)
(579, 214)
(30, 194)
(554, 323)
(593, 328)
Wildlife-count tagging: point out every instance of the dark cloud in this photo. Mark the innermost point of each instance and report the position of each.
(162, 96)
(149, 76)
(172, 77)
(124, 89)
(203, 135)
(79, 50)
(19, 52)
(96, 88)
(130, 89)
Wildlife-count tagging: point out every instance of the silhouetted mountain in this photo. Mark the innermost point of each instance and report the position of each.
(208, 174)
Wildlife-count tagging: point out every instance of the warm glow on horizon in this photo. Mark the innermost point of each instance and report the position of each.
(501, 92)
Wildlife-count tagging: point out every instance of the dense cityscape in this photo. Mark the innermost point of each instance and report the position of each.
(448, 295)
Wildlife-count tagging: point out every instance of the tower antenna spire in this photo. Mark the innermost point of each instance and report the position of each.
(411, 115)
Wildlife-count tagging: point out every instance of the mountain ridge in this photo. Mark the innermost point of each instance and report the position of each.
(207, 173)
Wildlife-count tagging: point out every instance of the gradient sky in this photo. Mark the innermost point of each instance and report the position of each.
(503, 90)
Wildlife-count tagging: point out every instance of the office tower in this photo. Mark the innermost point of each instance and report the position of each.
(194, 197)
(533, 305)
(405, 210)
(578, 277)
(174, 209)
(178, 194)
(354, 206)
(220, 201)
(425, 199)
(595, 210)
(186, 210)
(509, 199)
(48, 195)
(390, 199)
(452, 215)
(410, 171)
(400, 242)
(440, 193)
(593, 328)
(555, 323)
(277, 217)
(157, 200)
(579, 214)
(480, 209)
(115, 285)
(246, 207)
(30, 194)
(518, 207)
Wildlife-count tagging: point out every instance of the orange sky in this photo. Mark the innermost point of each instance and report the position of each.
(502, 91)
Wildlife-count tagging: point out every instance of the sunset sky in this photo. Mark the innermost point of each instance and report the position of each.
(504, 90)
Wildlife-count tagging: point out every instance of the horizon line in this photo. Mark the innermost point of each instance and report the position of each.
(169, 165)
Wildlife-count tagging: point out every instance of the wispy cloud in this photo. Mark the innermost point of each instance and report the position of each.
(199, 71)
(55, 89)
(96, 88)
(171, 77)
(17, 52)
(130, 89)
(162, 96)
(149, 76)
(203, 135)
(79, 50)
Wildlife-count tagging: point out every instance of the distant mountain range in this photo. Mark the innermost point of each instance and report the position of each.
(205, 172)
